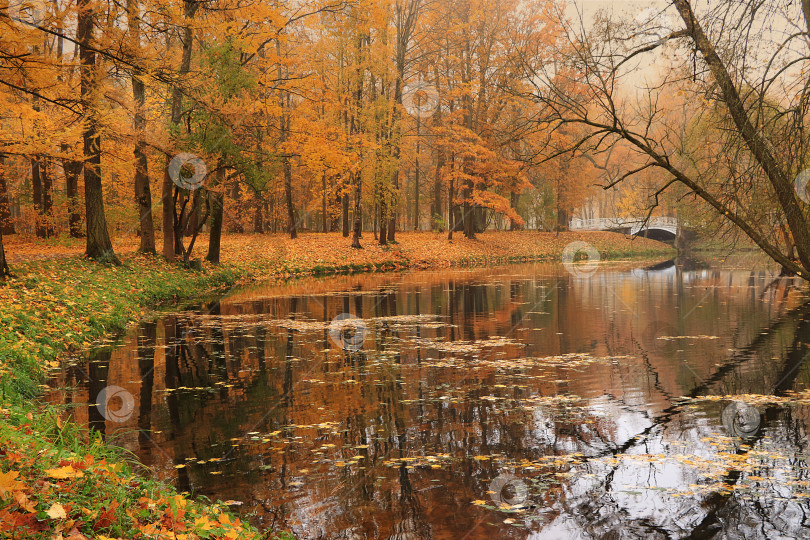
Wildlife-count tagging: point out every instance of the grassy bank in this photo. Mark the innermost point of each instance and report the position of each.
(56, 481)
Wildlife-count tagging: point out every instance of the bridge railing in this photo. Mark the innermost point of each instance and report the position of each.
(602, 224)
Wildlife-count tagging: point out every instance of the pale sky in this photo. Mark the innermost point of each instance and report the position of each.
(647, 66)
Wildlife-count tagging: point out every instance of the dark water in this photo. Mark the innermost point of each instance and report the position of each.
(511, 402)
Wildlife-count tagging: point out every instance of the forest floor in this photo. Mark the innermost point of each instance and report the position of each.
(59, 482)
(412, 249)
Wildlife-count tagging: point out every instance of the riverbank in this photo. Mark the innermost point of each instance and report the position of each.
(55, 481)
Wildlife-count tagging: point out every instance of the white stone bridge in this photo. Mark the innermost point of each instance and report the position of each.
(660, 228)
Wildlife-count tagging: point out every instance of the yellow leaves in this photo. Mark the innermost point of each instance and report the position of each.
(9, 483)
(203, 523)
(56, 511)
(62, 473)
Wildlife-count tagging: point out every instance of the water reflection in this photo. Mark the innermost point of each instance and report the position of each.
(566, 394)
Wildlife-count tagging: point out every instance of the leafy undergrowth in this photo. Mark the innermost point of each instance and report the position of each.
(58, 482)
(52, 488)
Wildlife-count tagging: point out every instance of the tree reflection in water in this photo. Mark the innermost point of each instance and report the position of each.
(574, 386)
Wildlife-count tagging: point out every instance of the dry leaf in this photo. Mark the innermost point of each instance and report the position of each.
(61, 473)
(57, 511)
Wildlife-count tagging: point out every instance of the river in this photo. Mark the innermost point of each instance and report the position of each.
(525, 401)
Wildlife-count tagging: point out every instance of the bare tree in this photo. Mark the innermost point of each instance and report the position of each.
(727, 122)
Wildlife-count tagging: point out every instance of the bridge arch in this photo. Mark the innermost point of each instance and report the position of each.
(660, 234)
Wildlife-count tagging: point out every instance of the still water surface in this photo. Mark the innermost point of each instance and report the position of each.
(509, 402)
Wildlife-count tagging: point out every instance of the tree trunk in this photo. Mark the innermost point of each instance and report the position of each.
(468, 219)
(47, 200)
(198, 221)
(193, 221)
(72, 170)
(258, 216)
(98, 244)
(217, 210)
(416, 178)
(383, 240)
(235, 223)
(345, 212)
(291, 225)
(392, 212)
(167, 191)
(5, 271)
(513, 202)
(143, 191)
(436, 208)
(36, 188)
(6, 225)
(323, 202)
(450, 195)
(335, 221)
(284, 102)
(179, 219)
(355, 129)
(357, 211)
(272, 214)
(562, 218)
(405, 19)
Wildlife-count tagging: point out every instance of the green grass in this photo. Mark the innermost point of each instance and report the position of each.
(56, 307)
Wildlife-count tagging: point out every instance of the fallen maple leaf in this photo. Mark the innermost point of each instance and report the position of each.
(8, 483)
(22, 500)
(56, 511)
